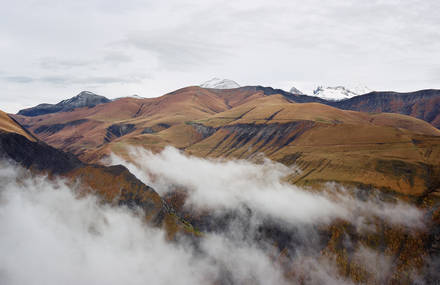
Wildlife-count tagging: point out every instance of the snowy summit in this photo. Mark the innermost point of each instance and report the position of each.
(217, 83)
(339, 93)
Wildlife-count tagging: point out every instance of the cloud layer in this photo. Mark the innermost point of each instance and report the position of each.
(229, 184)
(51, 235)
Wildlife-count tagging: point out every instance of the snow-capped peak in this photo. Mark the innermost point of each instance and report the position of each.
(339, 93)
(294, 90)
(218, 83)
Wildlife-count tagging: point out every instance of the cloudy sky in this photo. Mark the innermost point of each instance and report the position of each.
(53, 49)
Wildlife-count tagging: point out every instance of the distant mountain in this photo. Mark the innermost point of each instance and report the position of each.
(339, 93)
(423, 104)
(83, 99)
(217, 83)
(294, 90)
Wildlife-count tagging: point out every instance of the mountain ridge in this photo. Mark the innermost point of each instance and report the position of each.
(238, 123)
(83, 99)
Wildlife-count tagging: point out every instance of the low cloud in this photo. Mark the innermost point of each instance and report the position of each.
(228, 184)
(52, 235)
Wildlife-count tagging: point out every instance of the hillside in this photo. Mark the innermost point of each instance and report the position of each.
(387, 151)
(114, 184)
(85, 129)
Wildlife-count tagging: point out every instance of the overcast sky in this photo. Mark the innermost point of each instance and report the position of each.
(53, 49)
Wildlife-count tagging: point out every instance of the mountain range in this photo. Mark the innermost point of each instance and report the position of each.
(383, 145)
(242, 122)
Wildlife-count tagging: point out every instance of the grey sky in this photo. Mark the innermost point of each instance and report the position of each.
(53, 49)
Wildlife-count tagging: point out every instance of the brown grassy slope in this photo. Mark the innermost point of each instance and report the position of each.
(8, 125)
(64, 131)
(388, 151)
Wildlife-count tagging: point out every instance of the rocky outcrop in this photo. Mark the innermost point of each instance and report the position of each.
(205, 131)
(118, 130)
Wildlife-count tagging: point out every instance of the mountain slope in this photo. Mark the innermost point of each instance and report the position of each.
(9, 125)
(83, 99)
(115, 184)
(386, 151)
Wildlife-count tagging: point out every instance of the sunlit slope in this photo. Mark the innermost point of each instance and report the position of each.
(8, 125)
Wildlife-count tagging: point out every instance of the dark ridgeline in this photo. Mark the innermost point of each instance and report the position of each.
(83, 99)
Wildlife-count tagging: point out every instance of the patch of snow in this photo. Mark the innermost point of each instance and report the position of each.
(339, 93)
(218, 83)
